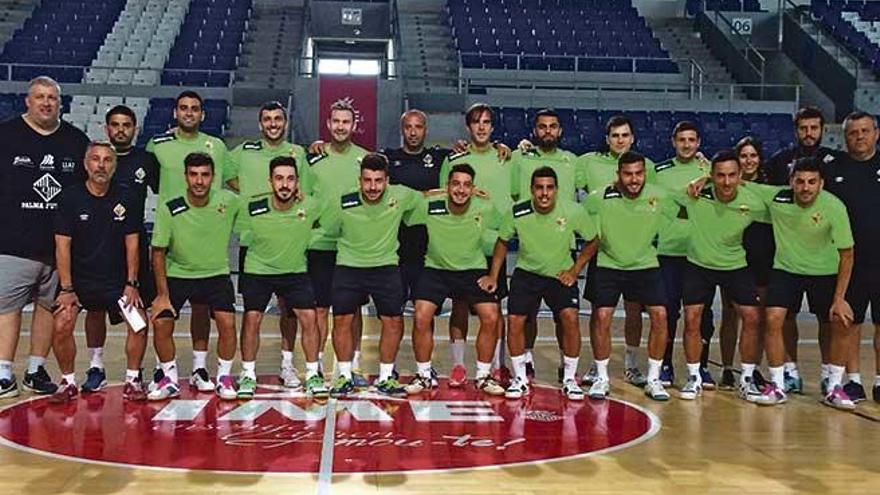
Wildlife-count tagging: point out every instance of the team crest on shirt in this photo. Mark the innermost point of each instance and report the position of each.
(561, 222)
(478, 218)
(301, 214)
(816, 218)
(428, 160)
(392, 203)
(744, 209)
(139, 175)
(119, 211)
(652, 203)
(47, 187)
(209, 145)
(221, 208)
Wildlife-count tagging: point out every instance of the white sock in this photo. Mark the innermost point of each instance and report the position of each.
(200, 358)
(694, 370)
(496, 358)
(570, 367)
(654, 369)
(602, 368)
(97, 357)
(286, 360)
(344, 368)
(249, 369)
(456, 347)
(792, 369)
(69, 378)
(224, 367)
(424, 369)
(385, 371)
(483, 370)
(777, 376)
(631, 356)
(356, 360)
(34, 363)
(311, 369)
(6, 370)
(835, 376)
(529, 358)
(170, 370)
(854, 377)
(132, 375)
(748, 369)
(519, 366)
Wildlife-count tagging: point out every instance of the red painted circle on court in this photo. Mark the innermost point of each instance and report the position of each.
(283, 432)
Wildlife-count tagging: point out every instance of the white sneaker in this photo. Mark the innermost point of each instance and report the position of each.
(600, 389)
(518, 388)
(289, 377)
(692, 389)
(488, 385)
(747, 391)
(655, 390)
(201, 380)
(572, 390)
(165, 389)
(226, 388)
(590, 376)
(635, 377)
(771, 396)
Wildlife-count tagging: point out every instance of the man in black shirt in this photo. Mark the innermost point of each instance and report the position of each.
(854, 177)
(40, 156)
(96, 237)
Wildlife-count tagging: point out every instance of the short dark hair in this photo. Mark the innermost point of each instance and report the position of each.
(463, 168)
(807, 164)
(283, 161)
(545, 112)
(544, 172)
(685, 125)
(476, 110)
(617, 121)
(271, 106)
(189, 94)
(375, 161)
(198, 159)
(120, 110)
(724, 155)
(630, 157)
(809, 112)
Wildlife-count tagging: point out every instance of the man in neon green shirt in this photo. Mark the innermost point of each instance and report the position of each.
(544, 270)
(246, 173)
(191, 263)
(170, 150)
(365, 223)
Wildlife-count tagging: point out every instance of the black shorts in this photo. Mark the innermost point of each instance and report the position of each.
(590, 285)
(760, 268)
(864, 289)
(641, 286)
(411, 270)
(242, 256)
(321, 266)
(527, 289)
(502, 290)
(787, 291)
(294, 288)
(352, 286)
(437, 285)
(215, 292)
(699, 285)
(101, 299)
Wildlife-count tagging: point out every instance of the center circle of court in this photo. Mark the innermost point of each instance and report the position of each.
(281, 431)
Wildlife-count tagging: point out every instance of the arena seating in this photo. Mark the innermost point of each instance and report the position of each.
(209, 40)
(61, 33)
(12, 104)
(694, 6)
(854, 23)
(556, 35)
(159, 119)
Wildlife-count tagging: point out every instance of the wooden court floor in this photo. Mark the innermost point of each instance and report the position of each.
(717, 444)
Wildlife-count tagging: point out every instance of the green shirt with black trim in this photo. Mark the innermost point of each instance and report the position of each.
(597, 170)
(196, 237)
(524, 163)
(674, 175)
(332, 174)
(170, 150)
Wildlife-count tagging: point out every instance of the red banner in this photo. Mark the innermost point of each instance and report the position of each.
(361, 93)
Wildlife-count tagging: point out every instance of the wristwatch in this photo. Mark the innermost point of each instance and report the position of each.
(133, 283)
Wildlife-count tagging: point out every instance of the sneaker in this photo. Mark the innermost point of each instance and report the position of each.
(771, 396)
(590, 376)
(855, 391)
(289, 378)
(247, 387)
(530, 371)
(65, 393)
(667, 375)
(391, 387)
(40, 382)
(517, 389)
(793, 385)
(226, 388)
(158, 375)
(359, 379)
(838, 399)
(655, 390)
(875, 391)
(759, 379)
(572, 391)
(316, 388)
(728, 380)
(600, 389)
(635, 377)
(134, 391)
(692, 389)
(96, 379)
(707, 378)
(201, 381)
(748, 391)
(458, 376)
(342, 386)
(9, 388)
(418, 385)
(502, 375)
(165, 389)
(435, 381)
(489, 385)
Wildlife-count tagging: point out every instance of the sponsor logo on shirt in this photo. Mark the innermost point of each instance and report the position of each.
(47, 187)
(838, 179)
(139, 175)
(84, 217)
(67, 164)
(22, 161)
(47, 163)
(119, 211)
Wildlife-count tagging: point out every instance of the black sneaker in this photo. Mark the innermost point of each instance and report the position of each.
(40, 382)
(9, 388)
(758, 379)
(728, 380)
(96, 379)
(855, 391)
(876, 392)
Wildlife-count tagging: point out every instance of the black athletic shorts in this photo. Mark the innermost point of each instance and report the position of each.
(864, 289)
(437, 285)
(699, 285)
(321, 266)
(294, 288)
(215, 292)
(502, 290)
(242, 256)
(590, 285)
(352, 286)
(527, 289)
(641, 286)
(787, 291)
(101, 299)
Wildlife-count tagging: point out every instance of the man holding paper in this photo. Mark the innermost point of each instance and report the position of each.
(96, 252)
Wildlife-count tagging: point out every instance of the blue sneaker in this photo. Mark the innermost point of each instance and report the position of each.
(793, 385)
(667, 375)
(706, 377)
(342, 386)
(96, 379)
(39, 382)
(391, 387)
(359, 379)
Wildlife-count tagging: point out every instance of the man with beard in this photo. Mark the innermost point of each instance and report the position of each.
(170, 150)
(246, 173)
(279, 226)
(96, 237)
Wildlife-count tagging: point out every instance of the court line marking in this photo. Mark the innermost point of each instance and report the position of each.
(325, 469)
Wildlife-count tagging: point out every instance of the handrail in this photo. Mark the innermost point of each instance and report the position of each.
(839, 49)
(748, 48)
